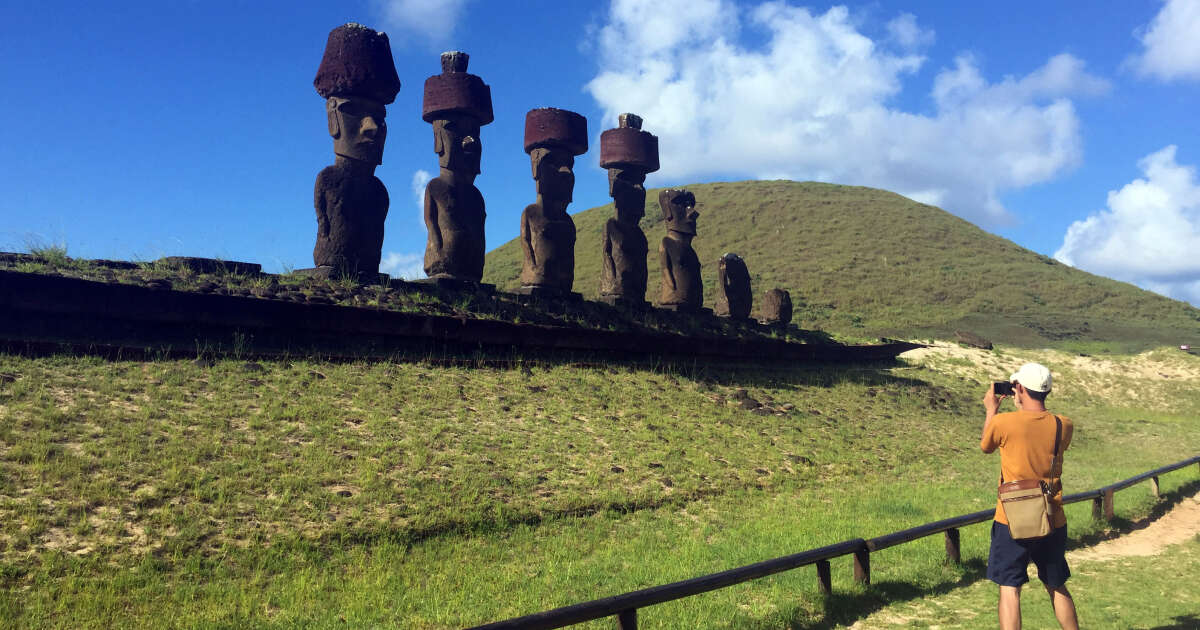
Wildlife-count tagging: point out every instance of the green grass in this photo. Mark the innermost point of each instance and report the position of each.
(167, 494)
(861, 262)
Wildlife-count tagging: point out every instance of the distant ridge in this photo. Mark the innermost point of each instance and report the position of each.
(862, 262)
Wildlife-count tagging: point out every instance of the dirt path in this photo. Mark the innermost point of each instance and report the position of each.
(1148, 538)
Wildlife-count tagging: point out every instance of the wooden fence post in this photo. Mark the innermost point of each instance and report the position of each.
(1108, 505)
(862, 565)
(1154, 487)
(627, 619)
(824, 578)
(953, 551)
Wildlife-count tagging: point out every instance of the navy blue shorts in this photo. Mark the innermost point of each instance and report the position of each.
(1008, 559)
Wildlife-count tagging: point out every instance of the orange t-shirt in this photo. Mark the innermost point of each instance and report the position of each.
(1026, 441)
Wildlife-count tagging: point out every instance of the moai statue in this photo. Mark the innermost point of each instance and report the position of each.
(458, 104)
(681, 286)
(553, 137)
(629, 154)
(734, 298)
(357, 78)
(777, 308)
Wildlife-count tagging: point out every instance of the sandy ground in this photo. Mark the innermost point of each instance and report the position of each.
(1179, 525)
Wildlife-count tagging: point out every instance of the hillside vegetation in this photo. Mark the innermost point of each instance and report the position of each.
(861, 262)
(188, 494)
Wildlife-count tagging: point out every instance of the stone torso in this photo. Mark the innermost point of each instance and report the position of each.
(549, 243)
(623, 270)
(351, 209)
(680, 267)
(456, 244)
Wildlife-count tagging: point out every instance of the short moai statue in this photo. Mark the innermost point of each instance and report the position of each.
(777, 308)
(553, 137)
(457, 103)
(357, 78)
(682, 289)
(629, 154)
(734, 298)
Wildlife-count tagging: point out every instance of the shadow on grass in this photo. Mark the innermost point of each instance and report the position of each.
(840, 609)
(1180, 623)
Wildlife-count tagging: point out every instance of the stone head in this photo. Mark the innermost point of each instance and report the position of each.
(456, 141)
(457, 103)
(358, 127)
(679, 210)
(357, 78)
(553, 172)
(553, 137)
(628, 190)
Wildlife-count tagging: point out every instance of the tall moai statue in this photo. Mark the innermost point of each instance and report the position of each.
(681, 286)
(734, 297)
(629, 154)
(553, 137)
(777, 308)
(457, 103)
(357, 78)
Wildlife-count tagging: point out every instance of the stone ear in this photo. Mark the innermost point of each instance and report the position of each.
(335, 127)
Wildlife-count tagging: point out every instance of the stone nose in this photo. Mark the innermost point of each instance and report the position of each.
(369, 127)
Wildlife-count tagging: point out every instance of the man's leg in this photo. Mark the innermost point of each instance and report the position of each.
(1010, 608)
(1064, 606)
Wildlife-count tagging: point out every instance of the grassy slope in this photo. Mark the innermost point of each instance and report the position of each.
(868, 262)
(166, 494)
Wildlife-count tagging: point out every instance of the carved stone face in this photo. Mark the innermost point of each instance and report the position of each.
(626, 186)
(456, 141)
(358, 127)
(679, 211)
(552, 171)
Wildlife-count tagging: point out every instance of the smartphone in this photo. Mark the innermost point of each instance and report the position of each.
(1002, 388)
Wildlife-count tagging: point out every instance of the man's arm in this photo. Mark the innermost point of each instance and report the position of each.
(991, 405)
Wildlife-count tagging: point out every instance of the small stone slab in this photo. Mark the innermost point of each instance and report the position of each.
(548, 293)
(622, 302)
(450, 284)
(212, 265)
(327, 272)
(686, 309)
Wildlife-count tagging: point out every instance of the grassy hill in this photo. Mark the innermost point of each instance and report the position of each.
(288, 494)
(861, 262)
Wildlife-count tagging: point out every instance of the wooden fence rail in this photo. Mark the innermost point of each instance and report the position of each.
(624, 607)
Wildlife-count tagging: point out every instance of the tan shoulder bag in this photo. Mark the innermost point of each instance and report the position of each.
(1026, 502)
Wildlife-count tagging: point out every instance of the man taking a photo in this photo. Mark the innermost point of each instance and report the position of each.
(1027, 439)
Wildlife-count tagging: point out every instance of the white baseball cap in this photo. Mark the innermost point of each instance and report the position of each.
(1033, 376)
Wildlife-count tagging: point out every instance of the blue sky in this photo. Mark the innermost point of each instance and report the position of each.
(139, 130)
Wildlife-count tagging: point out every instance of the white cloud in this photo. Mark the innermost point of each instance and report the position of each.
(1150, 233)
(812, 101)
(431, 20)
(403, 265)
(904, 30)
(420, 179)
(1171, 48)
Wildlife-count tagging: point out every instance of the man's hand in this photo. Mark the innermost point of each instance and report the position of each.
(991, 402)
